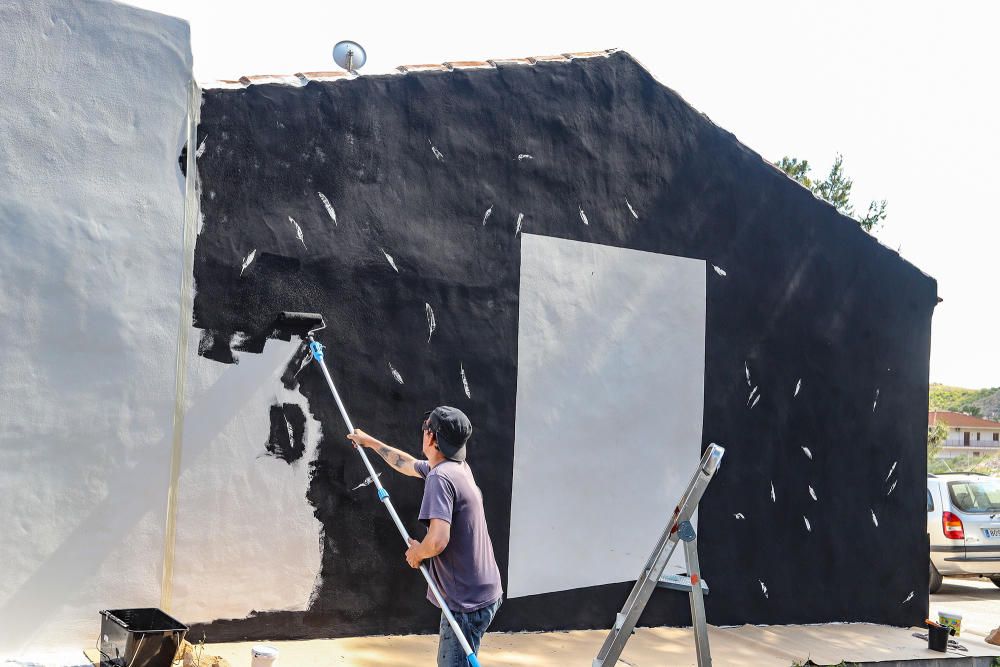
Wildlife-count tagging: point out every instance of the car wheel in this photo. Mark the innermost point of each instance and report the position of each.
(996, 581)
(936, 580)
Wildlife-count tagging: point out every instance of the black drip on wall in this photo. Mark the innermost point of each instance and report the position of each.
(813, 318)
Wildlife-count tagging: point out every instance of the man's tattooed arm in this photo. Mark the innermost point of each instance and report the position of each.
(401, 461)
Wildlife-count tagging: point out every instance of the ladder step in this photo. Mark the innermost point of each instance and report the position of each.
(678, 582)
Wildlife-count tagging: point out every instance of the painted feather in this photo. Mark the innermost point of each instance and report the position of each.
(465, 382)
(248, 261)
(328, 206)
(631, 210)
(389, 259)
(431, 322)
(298, 231)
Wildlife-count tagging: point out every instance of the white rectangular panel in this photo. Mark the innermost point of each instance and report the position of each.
(610, 394)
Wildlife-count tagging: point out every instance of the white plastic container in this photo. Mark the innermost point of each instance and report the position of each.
(262, 655)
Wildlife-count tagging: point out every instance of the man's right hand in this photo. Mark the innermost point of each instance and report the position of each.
(359, 437)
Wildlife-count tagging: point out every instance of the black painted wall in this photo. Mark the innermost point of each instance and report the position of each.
(411, 164)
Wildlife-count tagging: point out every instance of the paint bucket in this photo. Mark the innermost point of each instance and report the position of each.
(953, 621)
(262, 655)
(937, 637)
(145, 637)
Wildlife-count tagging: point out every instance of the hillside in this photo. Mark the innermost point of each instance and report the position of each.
(979, 402)
(990, 406)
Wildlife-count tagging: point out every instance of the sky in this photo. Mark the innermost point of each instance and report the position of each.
(906, 91)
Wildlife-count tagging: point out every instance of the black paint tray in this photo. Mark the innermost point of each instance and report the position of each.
(139, 638)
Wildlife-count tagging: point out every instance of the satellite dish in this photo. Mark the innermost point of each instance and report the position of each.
(349, 55)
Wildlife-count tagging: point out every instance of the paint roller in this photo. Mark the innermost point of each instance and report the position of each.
(305, 326)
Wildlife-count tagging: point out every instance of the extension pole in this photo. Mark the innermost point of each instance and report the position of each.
(316, 349)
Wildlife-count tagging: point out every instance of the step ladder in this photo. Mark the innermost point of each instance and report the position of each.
(679, 528)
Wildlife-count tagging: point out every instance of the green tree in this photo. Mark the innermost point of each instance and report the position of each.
(936, 436)
(836, 189)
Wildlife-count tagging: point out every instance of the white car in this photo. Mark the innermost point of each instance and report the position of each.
(963, 521)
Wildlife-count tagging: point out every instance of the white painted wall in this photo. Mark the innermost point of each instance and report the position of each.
(954, 446)
(247, 538)
(610, 398)
(93, 115)
(957, 438)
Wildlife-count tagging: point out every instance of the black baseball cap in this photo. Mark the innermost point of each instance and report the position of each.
(451, 428)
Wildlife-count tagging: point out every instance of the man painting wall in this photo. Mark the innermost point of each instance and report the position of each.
(457, 545)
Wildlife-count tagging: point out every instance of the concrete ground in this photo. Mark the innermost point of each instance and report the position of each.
(744, 647)
(748, 646)
(977, 601)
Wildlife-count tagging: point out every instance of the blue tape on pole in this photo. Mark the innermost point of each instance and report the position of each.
(317, 350)
(382, 494)
(473, 660)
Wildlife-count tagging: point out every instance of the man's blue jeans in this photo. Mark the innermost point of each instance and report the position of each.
(473, 624)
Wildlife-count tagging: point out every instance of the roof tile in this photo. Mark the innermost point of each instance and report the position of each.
(468, 64)
(268, 78)
(422, 68)
(588, 54)
(496, 62)
(543, 59)
(960, 420)
(336, 74)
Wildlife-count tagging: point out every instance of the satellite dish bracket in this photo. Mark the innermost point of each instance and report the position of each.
(350, 56)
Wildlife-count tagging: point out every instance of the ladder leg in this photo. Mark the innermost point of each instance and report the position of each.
(625, 621)
(678, 528)
(698, 623)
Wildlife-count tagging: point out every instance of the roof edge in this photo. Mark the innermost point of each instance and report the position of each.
(303, 78)
(967, 421)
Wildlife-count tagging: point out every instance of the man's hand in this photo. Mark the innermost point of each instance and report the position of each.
(412, 554)
(359, 437)
(438, 536)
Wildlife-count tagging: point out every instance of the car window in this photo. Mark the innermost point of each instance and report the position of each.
(978, 495)
(930, 501)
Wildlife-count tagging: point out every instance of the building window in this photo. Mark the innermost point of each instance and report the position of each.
(965, 438)
(978, 437)
(996, 437)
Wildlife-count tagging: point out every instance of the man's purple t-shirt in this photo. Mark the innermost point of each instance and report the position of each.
(466, 571)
